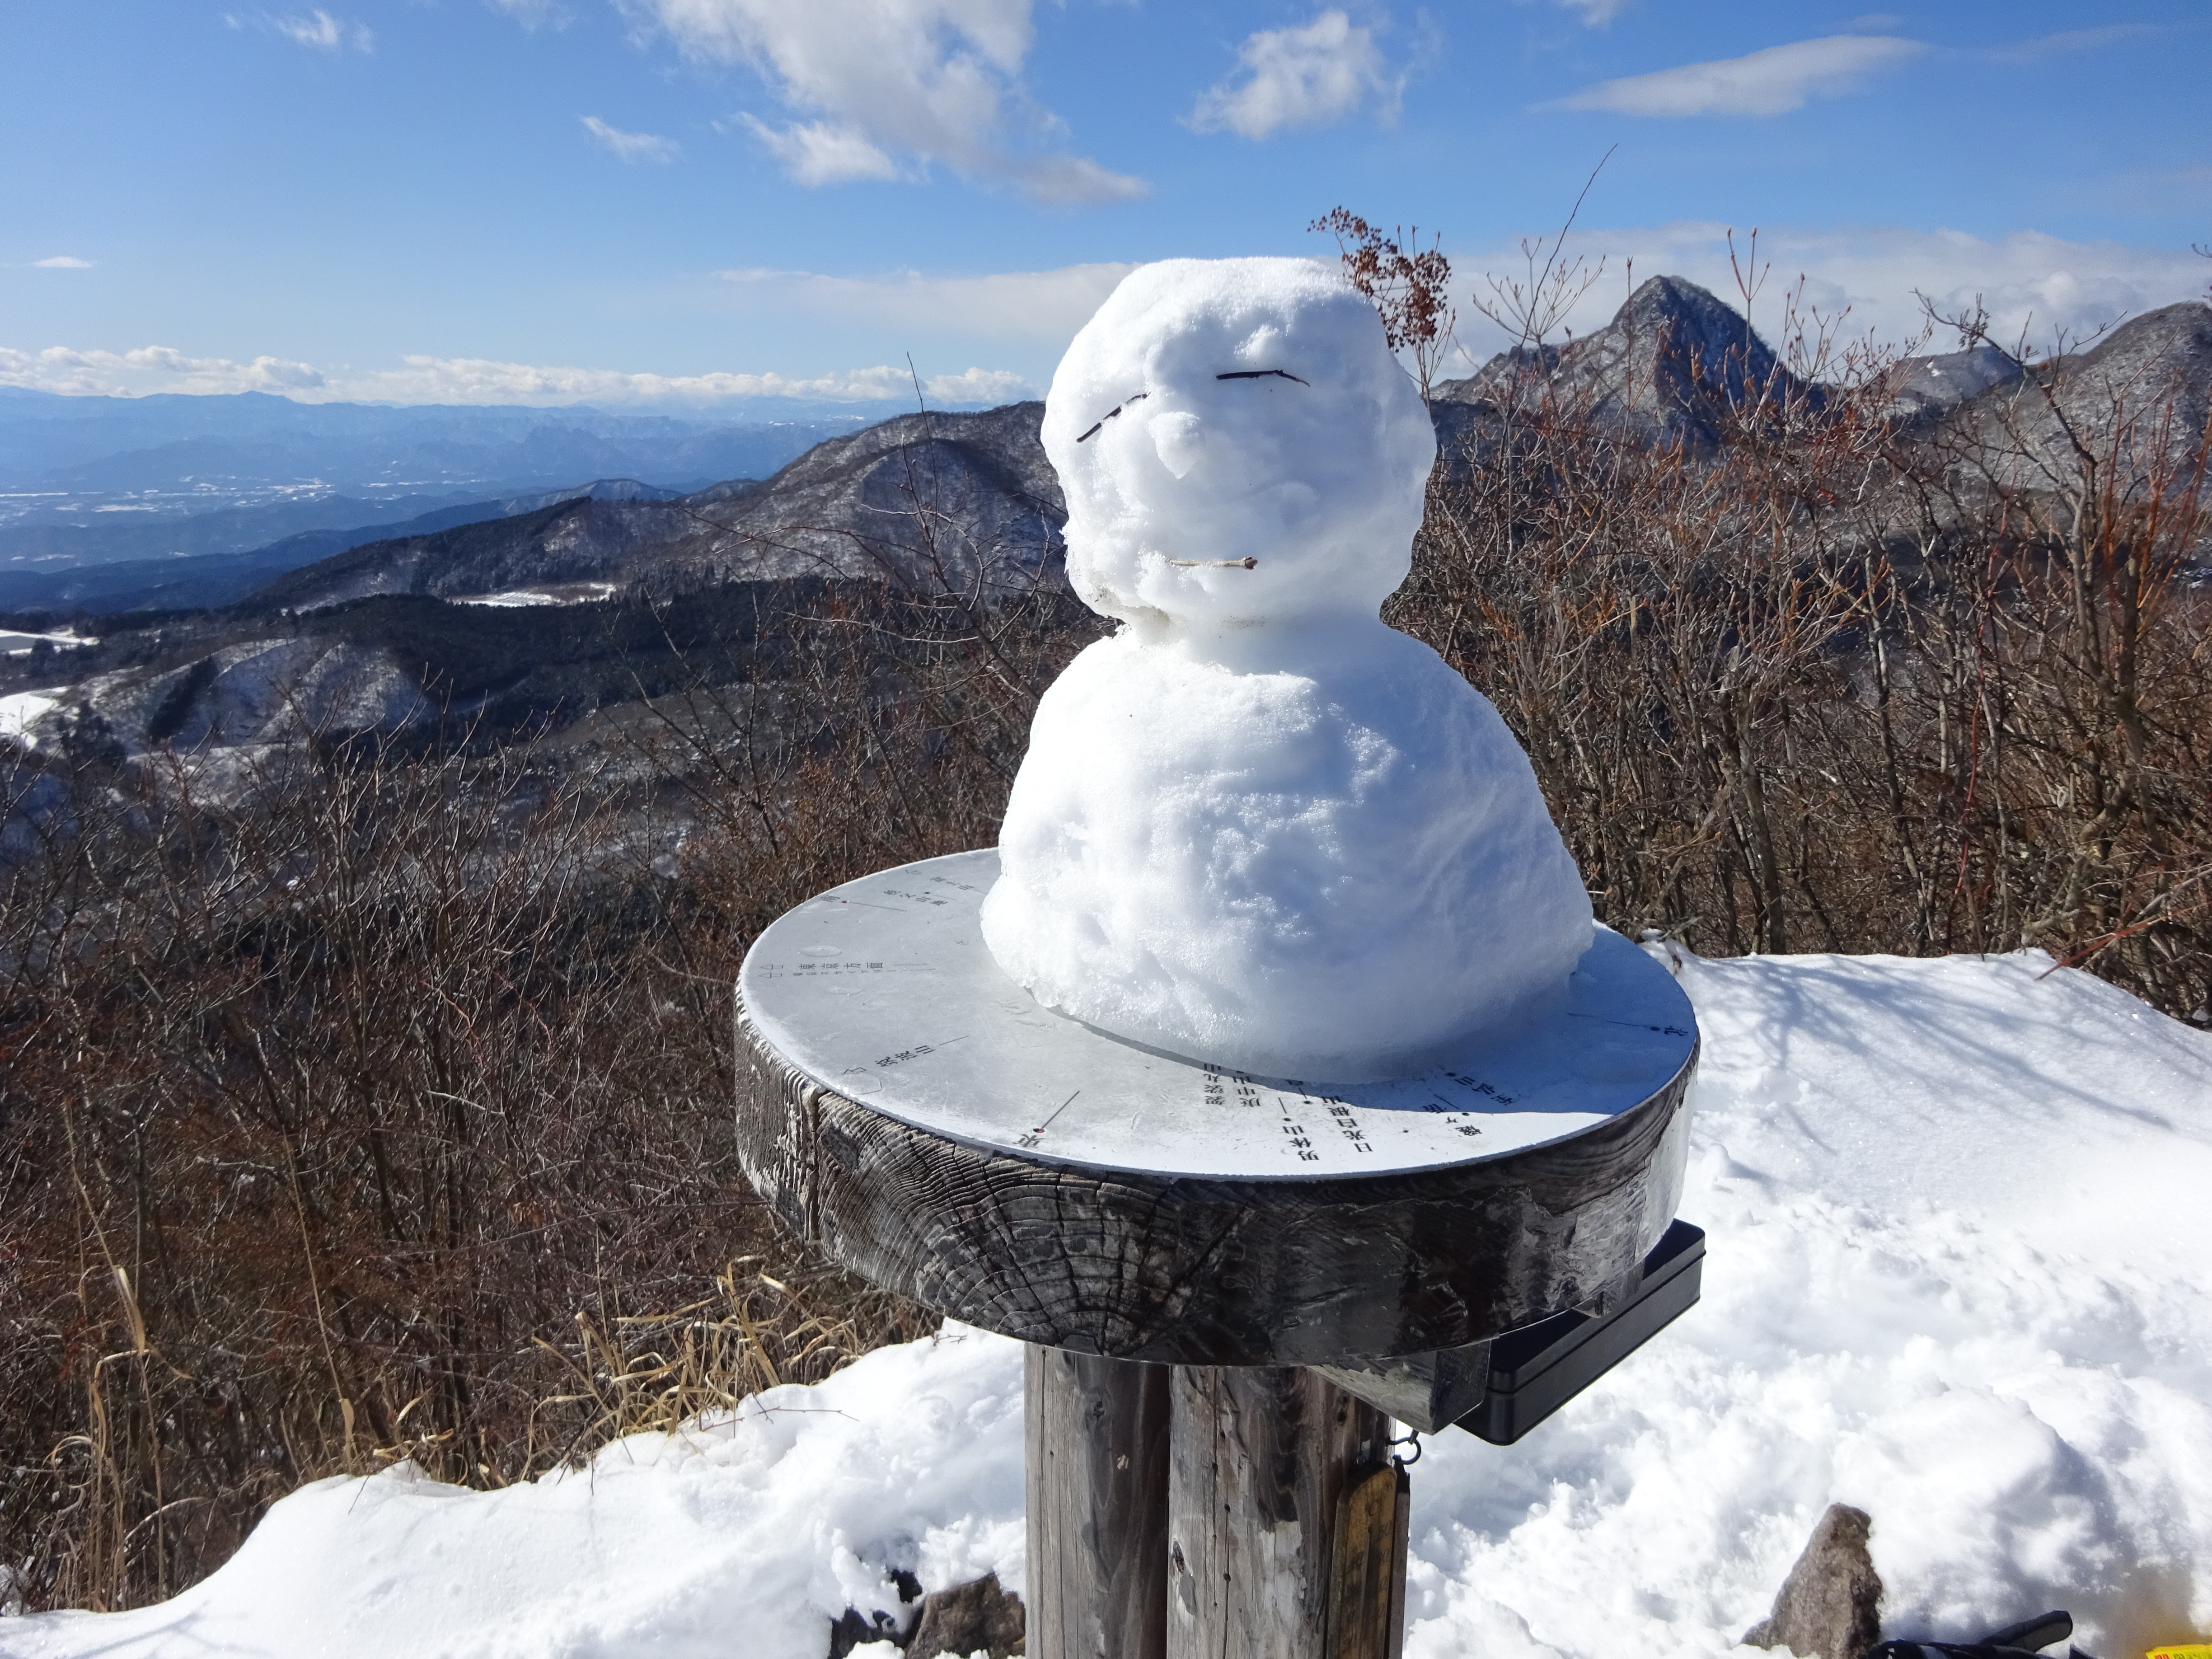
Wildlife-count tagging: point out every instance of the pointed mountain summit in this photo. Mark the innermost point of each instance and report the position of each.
(1671, 362)
(921, 497)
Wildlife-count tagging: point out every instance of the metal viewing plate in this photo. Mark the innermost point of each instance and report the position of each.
(882, 991)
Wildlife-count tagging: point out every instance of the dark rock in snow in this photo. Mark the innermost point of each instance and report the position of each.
(855, 1629)
(852, 1628)
(1831, 1603)
(978, 1617)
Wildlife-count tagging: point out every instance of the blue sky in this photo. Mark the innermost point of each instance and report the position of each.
(624, 200)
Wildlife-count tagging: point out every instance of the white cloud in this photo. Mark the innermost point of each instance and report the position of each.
(894, 85)
(1596, 13)
(1769, 82)
(1305, 76)
(533, 14)
(62, 262)
(151, 368)
(483, 381)
(2028, 281)
(822, 153)
(980, 385)
(631, 146)
(2072, 42)
(423, 379)
(317, 30)
(1047, 306)
(1027, 314)
(1073, 181)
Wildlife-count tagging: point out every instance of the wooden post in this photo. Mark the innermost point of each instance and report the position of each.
(1097, 1480)
(1262, 1462)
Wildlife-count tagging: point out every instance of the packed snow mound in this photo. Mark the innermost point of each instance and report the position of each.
(1308, 873)
(1217, 409)
(1257, 826)
(741, 1535)
(1948, 1281)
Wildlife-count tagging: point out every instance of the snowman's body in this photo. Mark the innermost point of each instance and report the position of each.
(1257, 826)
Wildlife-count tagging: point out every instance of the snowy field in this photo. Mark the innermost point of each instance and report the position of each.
(14, 643)
(1957, 1275)
(20, 711)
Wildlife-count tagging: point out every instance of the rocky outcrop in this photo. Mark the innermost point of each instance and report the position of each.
(1831, 1603)
(1928, 388)
(1672, 363)
(2138, 401)
(968, 1619)
(913, 499)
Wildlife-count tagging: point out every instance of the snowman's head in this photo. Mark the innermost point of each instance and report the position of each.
(1219, 409)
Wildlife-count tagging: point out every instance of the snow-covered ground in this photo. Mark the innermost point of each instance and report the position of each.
(21, 711)
(14, 643)
(566, 593)
(1960, 1274)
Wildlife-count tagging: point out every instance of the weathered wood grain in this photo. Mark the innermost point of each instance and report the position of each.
(1203, 1271)
(1426, 1391)
(1097, 1491)
(1366, 1593)
(1401, 1549)
(1258, 1462)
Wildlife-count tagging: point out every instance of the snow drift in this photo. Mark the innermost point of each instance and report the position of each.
(1957, 1276)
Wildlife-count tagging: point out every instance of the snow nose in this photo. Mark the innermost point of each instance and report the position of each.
(1181, 440)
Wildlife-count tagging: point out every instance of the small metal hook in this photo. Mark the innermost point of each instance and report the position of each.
(1413, 1439)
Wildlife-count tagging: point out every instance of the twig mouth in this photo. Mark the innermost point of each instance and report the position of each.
(1248, 562)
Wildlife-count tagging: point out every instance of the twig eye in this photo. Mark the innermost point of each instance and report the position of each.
(1134, 397)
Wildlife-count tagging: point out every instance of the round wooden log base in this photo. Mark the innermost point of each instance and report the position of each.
(1178, 1243)
(907, 1108)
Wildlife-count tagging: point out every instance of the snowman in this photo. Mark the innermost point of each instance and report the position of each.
(1256, 826)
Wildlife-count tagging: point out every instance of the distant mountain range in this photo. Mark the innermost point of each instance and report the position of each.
(198, 582)
(918, 499)
(963, 488)
(48, 442)
(953, 492)
(89, 480)
(953, 487)
(1674, 359)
